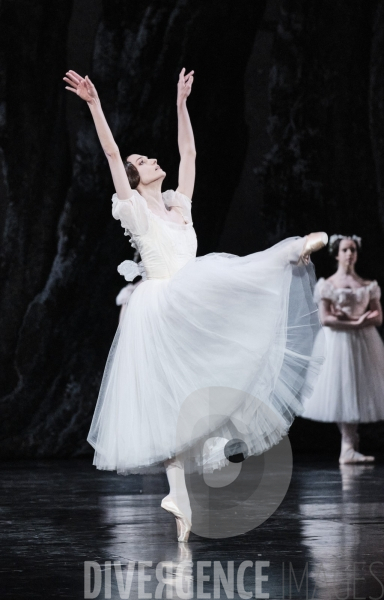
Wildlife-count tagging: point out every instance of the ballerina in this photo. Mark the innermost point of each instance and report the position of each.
(220, 320)
(350, 388)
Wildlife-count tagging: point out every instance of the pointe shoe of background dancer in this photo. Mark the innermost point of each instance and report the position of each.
(182, 523)
(350, 456)
(314, 242)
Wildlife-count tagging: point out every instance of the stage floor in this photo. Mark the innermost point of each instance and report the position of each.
(325, 540)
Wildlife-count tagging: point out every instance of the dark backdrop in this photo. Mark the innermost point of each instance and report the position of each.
(288, 113)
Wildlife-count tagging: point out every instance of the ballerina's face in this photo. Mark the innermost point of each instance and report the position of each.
(347, 255)
(148, 168)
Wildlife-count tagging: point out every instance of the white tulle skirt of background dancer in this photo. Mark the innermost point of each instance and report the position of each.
(350, 388)
(222, 322)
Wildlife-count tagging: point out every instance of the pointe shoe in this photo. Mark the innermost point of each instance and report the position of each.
(350, 456)
(182, 523)
(314, 242)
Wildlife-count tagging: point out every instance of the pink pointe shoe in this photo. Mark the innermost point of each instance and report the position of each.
(182, 523)
(314, 242)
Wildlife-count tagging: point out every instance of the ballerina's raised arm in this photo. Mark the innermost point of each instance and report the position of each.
(186, 140)
(85, 89)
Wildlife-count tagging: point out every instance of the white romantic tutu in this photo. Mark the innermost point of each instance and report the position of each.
(350, 387)
(221, 322)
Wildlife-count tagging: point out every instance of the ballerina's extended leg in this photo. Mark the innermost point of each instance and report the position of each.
(313, 243)
(349, 445)
(177, 501)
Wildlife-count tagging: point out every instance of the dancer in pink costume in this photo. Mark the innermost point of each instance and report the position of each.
(220, 320)
(350, 389)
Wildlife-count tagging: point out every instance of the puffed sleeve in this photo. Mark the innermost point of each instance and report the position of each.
(374, 291)
(132, 213)
(323, 291)
(180, 201)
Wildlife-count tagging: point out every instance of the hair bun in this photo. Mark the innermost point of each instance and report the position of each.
(132, 174)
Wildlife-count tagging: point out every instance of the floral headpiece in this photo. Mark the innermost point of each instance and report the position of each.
(337, 237)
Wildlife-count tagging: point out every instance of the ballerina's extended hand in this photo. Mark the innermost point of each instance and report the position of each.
(81, 86)
(184, 86)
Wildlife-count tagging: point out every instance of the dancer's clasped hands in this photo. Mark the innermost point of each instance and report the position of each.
(369, 314)
(357, 321)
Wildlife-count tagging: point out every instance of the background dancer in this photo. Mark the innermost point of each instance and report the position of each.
(350, 389)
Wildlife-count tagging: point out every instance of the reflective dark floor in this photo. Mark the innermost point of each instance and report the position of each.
(325, 540)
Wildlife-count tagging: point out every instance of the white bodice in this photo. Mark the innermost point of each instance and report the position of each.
(353, 302)
(164, 246)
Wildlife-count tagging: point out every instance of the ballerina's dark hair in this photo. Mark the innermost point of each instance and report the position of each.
(132, 174)
(335, 240)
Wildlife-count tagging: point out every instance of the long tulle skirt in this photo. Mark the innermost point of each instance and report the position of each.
(350, 388)
(221, 350)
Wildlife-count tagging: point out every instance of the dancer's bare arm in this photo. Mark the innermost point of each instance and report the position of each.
(186, 140)
(343, 323)
(85, 89)
(375, 307)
